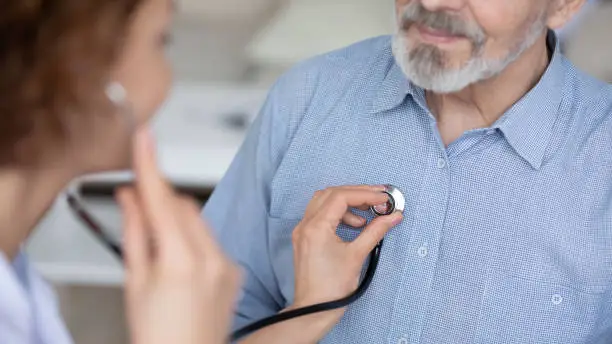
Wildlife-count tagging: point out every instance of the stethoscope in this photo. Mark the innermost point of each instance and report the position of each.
(395, 203)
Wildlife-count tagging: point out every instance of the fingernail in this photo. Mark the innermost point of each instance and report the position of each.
(382, 208)
(397, 219)
(380, 187)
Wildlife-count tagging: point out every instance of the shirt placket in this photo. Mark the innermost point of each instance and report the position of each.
(422, 251)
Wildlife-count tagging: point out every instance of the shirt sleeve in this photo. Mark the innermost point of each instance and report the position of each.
(239, 207)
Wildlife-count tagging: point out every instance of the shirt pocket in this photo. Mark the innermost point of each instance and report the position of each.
(517, 310)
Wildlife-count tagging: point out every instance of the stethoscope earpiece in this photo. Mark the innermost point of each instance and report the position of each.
(395, 202)
(116, 93)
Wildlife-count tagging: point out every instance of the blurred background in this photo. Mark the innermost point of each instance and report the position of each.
(226, 54)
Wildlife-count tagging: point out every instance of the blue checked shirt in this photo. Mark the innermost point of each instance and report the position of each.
(507, 236)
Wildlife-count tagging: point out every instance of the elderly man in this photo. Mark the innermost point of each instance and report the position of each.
(502, 149)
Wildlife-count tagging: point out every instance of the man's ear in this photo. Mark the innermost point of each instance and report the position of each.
(560, 12)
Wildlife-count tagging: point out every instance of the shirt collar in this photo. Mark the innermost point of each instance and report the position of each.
(393, 89)
(527, 126)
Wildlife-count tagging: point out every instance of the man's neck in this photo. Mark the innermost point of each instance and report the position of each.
(26, 196)
(481, 104)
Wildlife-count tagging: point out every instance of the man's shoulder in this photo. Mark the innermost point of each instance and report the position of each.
(589, 102)
(354, 56)
(368, 58)
(597, 98)
(589, 95)
(365, 52)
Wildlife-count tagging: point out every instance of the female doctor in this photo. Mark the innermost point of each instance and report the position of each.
(79, 79)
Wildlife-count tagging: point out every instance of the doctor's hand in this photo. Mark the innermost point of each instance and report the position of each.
(180, 288)
(326, 267)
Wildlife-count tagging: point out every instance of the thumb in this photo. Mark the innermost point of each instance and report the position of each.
(375, 232)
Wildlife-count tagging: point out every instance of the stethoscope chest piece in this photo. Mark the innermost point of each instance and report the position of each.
(396, 202)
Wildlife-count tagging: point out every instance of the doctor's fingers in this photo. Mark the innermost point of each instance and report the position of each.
(334, 205)
(353, 220)
(379, 188)
(136, 241)
(185, 242)
(201, 260)
(374, 233)
(156, 194)
(330, 189)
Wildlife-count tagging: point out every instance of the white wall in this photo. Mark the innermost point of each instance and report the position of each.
(305, 28)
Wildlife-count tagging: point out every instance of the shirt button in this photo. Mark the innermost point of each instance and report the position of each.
(402, 340)
(441, 163)
(423, 251)
(557, 299)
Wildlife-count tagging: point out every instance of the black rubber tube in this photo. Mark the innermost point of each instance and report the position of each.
(321, 307)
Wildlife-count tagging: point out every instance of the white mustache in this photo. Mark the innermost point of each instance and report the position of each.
(416, 13)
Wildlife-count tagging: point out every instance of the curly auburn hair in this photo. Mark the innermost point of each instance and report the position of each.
(55, 57)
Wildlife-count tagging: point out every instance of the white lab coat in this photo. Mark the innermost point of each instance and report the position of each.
(29, 312)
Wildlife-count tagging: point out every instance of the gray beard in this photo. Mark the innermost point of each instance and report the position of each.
(424, 64)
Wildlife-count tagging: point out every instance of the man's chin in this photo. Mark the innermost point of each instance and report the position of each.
(434, 78)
